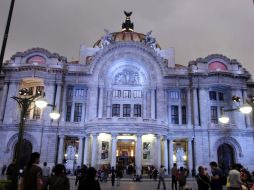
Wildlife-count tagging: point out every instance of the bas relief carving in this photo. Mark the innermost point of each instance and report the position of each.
(127, 77)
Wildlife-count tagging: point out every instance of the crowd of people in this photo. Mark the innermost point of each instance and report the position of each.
(35, 177)
(238, 178)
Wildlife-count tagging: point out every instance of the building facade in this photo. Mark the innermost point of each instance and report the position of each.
(126, 102)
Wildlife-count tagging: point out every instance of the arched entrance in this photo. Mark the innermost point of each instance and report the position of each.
(25, 153)
(226, 157)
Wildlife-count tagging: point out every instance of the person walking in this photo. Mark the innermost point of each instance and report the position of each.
(119, 175)
(234, 180)
(155, 174)
(59, 181)
(203, 179)
(182, 174)
(216, 178)
(77, 174)
(174, 173)
(89, 183)
(45, 174)
(32, 179)
(161, 177)
(113, 176)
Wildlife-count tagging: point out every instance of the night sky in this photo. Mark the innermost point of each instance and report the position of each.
(195, 28)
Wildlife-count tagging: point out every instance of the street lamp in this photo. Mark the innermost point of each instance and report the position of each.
(25, 100)
(245, 109)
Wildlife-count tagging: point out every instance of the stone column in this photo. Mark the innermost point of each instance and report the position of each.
(63, 105)
(169, 115)
(92, 106)
(171, 153)
(113, 151)
(94, 151)
(165, 145)
(58, 97)
(153, 104)
(158, 147)
(160, 104)
(195, 107)
(80, 150)
(87, 116)
(138, 155)
(180, 111)
(194, 153)
(60, 150)
(100, 109)
(3, 100)
(83, 114)
(205, 113)
(86, 150)
(132, 110)
(144, 104)
(109, 103)
(188, 109)
(72, 111)
(190, 156)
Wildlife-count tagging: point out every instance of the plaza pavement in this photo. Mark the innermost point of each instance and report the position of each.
(146, 184)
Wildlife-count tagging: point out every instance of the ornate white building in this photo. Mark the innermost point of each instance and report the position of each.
(126, 101)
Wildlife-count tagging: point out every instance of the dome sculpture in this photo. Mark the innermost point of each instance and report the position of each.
(127, 34)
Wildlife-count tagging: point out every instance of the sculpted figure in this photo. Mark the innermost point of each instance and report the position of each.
(180, 154)
(149, 40)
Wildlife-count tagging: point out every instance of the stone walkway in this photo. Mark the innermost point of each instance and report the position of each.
(146, 184)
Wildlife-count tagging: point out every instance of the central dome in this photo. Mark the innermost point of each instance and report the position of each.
(127, 34)
(124, 36)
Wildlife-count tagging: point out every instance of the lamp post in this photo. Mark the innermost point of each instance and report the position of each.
(6, 33)
(245, 109)
(25, 100)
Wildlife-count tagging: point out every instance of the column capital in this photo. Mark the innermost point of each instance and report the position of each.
(165, 137)
(171, 139)
(114, 135)
(158, 136)
(81, 137)
(139, 135)
(94, 134)
(61, 136)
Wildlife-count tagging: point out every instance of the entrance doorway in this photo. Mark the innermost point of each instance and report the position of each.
(25, 153)
(226, 158)
(125, 153)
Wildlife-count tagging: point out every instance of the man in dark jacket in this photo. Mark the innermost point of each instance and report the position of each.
(89, 183)
(216, 178)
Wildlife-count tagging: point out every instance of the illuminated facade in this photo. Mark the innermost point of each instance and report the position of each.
(126, 102)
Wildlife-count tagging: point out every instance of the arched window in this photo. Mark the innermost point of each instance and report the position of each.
(37, 59)
(217, 66)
